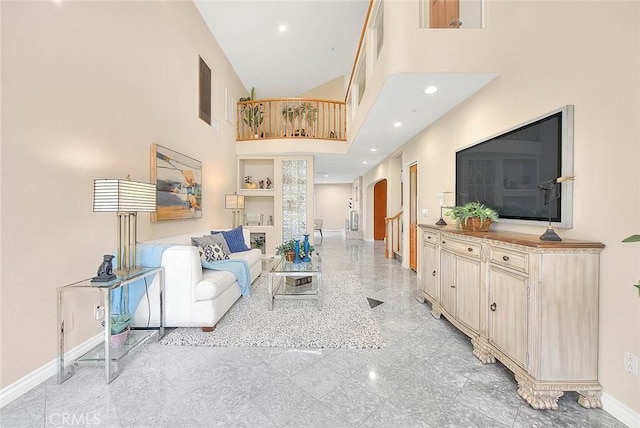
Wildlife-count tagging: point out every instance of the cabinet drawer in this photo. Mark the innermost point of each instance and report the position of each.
(429, 237)
(510, 258)
(470, 249)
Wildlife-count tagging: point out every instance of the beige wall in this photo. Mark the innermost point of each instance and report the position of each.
(549, 54)
(331, 90)
(87, 87)
(332, 204)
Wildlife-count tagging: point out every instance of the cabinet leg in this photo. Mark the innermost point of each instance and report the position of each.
(480, 350)
(541, 399)
(590, 399)
(435, 310)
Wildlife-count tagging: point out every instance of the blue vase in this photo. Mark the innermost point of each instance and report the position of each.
(296, 248)
(306, 257)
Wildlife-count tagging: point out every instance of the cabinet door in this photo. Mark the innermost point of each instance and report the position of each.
(467, 281)
(447, 284)
(508, 313)
(429, 271)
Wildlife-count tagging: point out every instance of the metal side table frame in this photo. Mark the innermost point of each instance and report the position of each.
(103, 353)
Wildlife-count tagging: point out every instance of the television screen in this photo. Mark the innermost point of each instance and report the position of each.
(504, 171)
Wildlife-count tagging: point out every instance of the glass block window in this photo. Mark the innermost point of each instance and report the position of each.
(294, 199)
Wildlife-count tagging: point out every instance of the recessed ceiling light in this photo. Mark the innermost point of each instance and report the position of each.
(397, 124)
(431, 90)
(374, 149)
(364, 162)
(282, 28)
(326, 175)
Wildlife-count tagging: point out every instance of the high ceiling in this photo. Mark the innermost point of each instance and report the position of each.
(319, 45)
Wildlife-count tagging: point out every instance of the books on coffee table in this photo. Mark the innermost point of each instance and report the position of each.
(295, 281)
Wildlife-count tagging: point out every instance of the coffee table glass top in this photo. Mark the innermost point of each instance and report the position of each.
(291, 267)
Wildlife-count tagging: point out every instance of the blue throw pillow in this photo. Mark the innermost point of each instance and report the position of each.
(234, 238)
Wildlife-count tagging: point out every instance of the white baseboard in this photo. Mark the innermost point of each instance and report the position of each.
(620, 411)
(36, 377)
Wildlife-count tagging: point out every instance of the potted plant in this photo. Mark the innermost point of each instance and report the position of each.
(287, 250)
(634, 238)
(120, 326)
(258, 242)
(252, 114)
(473, 216)
(301, 114)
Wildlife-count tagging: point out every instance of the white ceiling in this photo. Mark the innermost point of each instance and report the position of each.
(319, 45)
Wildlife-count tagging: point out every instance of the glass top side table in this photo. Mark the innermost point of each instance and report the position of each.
(103, 352)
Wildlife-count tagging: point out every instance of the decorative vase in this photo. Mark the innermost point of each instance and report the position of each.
(297, 250)
(306, 257)
(117, 340)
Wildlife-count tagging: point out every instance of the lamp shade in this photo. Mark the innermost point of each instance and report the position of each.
(114, 195)
(234, 202)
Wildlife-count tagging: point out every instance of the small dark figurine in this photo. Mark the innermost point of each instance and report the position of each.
(105, 270)
(269, 184)
(261, 184)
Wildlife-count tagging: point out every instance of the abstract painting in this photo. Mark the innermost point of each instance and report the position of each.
(178, 180)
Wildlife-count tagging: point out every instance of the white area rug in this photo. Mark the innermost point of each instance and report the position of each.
(345, 320)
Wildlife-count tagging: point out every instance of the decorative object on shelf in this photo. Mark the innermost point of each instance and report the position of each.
(234, 202)
(552, 193)
(306, 248)
(269, 183)
(473, 216)
(253, 219)
(249, 183)
(178, 179)
(634, 238)
(126, 198)
(296, 249)
(261, 184)
(441, 200)
(105, 270)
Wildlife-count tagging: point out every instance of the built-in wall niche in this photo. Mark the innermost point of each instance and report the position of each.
(255, 174)
(258, 211)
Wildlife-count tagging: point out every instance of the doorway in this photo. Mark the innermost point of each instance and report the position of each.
(444, 14)
(379, 209)
(413, 217)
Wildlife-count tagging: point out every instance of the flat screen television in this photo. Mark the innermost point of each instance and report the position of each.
(503, 172)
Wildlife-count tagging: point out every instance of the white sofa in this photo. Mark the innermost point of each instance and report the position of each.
(193, 296)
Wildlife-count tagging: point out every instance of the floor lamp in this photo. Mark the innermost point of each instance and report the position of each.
(126, 198)
(234, 202)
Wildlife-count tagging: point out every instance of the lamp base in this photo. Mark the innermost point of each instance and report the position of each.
(441, 222)
(550, 235)
(127, 271)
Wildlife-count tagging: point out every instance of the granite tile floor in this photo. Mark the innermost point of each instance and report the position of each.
(425, 377)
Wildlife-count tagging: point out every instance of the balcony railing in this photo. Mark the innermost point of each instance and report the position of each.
(291, 118)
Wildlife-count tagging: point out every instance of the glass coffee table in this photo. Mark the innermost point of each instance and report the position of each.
(289, 280)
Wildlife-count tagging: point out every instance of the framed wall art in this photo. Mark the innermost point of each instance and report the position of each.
(178, 180)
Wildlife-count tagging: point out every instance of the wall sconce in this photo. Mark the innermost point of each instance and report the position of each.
(234, 202)
(126, 198)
